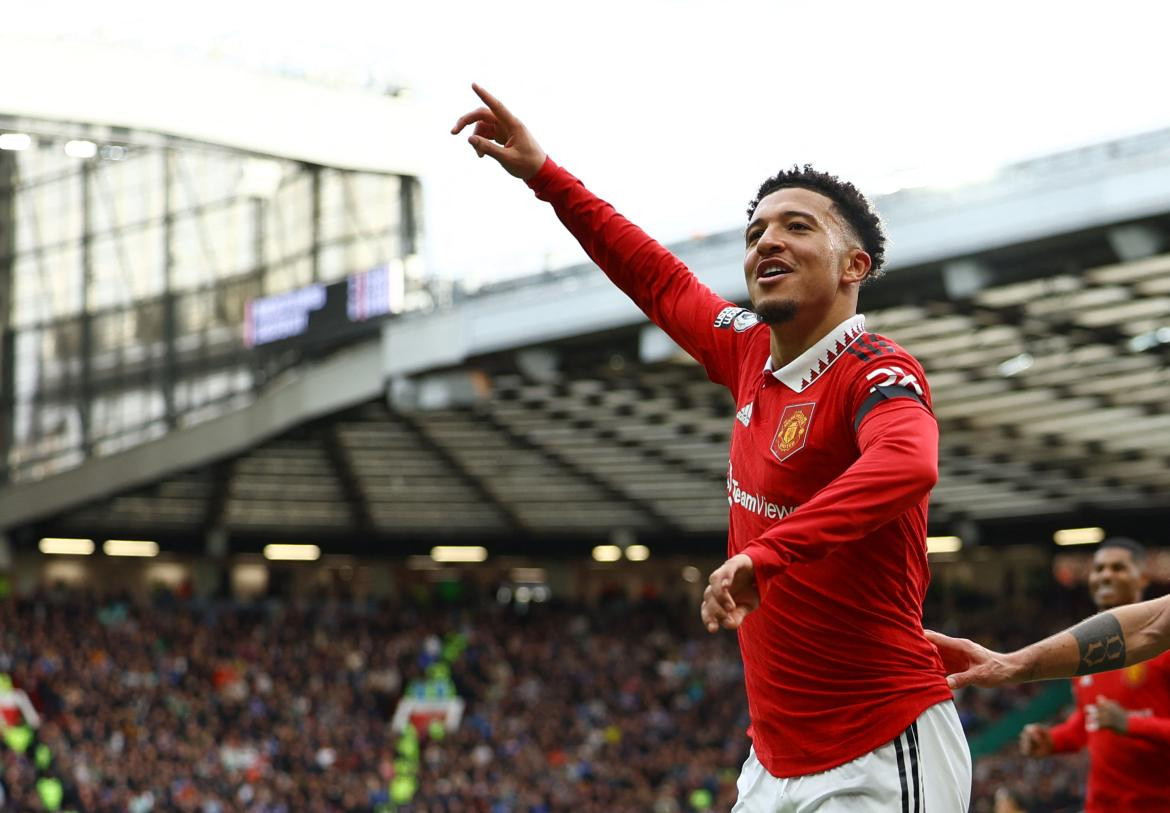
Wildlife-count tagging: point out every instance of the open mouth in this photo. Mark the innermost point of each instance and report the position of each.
(771, 270)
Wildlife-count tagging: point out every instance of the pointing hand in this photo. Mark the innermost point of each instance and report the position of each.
(501, 135)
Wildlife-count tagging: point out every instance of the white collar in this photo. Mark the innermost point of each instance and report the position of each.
(799, 374)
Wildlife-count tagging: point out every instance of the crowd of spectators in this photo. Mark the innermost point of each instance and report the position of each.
(277, 707)
(274, 707)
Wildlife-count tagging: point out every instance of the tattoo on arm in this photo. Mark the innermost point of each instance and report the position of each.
(1101, 642)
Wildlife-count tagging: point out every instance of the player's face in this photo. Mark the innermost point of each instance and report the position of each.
(799, 255)
(1115, 578)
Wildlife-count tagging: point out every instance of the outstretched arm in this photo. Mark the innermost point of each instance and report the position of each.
(1108, 640)
(703, 324)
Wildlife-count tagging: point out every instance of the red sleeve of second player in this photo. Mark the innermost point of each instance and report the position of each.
(1156, 729)
(705, 325)
(1069, 735)
(897, 466)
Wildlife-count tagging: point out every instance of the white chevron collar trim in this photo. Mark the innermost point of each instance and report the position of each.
(800, 373)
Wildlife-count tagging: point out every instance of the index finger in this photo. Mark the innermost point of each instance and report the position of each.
(478, 114)
(495, 104)
(938, 639)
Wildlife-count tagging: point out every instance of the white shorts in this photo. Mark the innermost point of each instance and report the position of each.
(925, 769)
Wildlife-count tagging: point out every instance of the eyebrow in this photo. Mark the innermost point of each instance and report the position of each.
(787, 213)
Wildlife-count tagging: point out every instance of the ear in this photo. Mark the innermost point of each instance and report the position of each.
(857, 265)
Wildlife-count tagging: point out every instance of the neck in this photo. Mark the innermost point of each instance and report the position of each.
(793, 337)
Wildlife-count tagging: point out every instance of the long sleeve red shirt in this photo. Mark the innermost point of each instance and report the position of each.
(832, 461)
(1127, 772)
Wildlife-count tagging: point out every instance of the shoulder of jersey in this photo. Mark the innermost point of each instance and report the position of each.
(873, 347)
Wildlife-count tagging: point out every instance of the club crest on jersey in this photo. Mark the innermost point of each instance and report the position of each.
(792, 433)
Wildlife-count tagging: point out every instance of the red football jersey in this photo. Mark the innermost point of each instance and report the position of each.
(1127, 772)
(831, 465)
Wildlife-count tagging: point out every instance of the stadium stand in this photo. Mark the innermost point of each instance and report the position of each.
(1037, 302)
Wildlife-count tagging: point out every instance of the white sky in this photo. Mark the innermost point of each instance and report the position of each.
(675, 110)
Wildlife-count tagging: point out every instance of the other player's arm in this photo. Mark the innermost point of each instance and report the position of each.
(1111, 715)
(1039, 740)
(657, 281)
(1110, 640)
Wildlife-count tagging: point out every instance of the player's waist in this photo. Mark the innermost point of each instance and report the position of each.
(793, 743)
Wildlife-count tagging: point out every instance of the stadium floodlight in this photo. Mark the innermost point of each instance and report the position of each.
(80, 148)
(292, 553)
(130, 547)
(943, 544)
(637, 553)
(15, 141)
(691, 574)
(1079, 536)
(607, 553)
(459, 553)
(59, 546)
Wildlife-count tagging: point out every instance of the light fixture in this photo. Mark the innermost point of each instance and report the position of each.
(292, 553)
(943, 544)
(1079, 536)
(1016, 365)
(80, 148)
(691, 574)
(459, 553)
(15, 141)
(607, 553)
(58, 546)
(637, 553)
(1150, 339)
(130, 547)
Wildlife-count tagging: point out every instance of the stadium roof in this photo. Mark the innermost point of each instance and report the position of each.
(70, 84)
(548, 409)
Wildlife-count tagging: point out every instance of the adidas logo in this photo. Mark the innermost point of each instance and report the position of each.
(744, 416)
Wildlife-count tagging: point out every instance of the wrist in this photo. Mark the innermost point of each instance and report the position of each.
(1018, 666)
(536, 178)
(537, 165)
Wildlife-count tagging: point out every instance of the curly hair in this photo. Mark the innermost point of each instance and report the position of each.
(847, 200)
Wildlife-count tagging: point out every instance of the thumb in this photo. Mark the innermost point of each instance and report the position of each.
(959, 680)
(485, 146)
